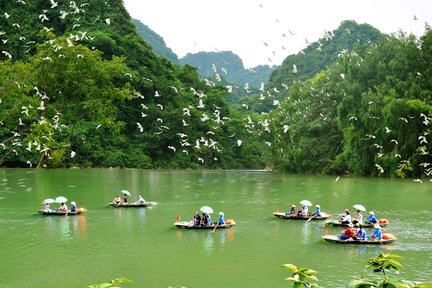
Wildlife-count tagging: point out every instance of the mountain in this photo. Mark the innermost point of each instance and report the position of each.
(317, 56)
(229, 66)
(155, 41)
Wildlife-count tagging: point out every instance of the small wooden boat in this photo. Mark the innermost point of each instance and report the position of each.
(365, 225)
(336, 239)
(132, 204)
(190, 225)
(285, 215)
(62, 213)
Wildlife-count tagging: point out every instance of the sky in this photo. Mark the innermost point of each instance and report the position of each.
(265, 32)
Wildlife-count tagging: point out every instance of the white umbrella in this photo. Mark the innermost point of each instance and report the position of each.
(359, 207)
(306, 203)
(48, 201)
(126, 192)
(61, 199)
(206, 209)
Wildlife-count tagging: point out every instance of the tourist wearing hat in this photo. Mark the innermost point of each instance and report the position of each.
(317, 212)
(346, 217)
(293, 211)
(349, 233)
(377, 235)
(221, 218)
(73, 207)
(371, 219)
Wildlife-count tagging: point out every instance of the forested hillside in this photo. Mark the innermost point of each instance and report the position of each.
(155, 41)
(80, 87)
(367, 114)
(319, 55)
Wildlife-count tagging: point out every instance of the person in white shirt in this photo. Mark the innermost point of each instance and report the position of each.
(140, 200)
(346, 217)
(62, 208)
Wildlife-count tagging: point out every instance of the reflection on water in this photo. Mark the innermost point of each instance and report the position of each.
(208, 244)
(210, 241)
(67, 228)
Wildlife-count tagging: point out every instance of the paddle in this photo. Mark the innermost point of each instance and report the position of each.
(215, 226)
(310, 218)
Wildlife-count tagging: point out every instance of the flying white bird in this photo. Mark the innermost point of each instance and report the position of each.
(381, 170)
(140, 127)
(53, 4)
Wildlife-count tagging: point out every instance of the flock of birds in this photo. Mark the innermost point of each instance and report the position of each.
(207, 113)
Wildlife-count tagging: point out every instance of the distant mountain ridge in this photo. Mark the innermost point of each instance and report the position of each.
(226, 64)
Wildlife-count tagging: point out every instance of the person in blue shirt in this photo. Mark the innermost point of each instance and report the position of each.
(377, 235)
(371, 219)
(361, 233)
(317, 211)
(221, 218)
(73, 207)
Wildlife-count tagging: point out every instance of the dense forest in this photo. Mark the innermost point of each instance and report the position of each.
(80, 87)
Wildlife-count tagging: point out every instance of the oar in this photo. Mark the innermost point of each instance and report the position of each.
(310, 218)
(215, 226)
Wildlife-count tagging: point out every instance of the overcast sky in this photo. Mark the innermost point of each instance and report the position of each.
(259, 31)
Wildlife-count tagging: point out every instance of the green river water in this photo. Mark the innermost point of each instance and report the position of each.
(143, 245)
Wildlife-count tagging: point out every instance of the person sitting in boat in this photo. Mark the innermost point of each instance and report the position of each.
(62, 208)
(208, 218)
(303, 212)
(359, 218)
(317, 212)
(140, 200)
(377, 234)
(197, 219)
(73, 207)
(125, 199)
(349, 233)
(361, 233)
(204, 220)
(117, 200)
(221, 218)
(346, 217)
(293, 211)
(371, 219)
(47, 207)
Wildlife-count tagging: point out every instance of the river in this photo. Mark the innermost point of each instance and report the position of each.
(143, 245)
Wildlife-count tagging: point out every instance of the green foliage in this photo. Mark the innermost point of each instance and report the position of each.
(384, 263)
(301, 276)
(113, 283)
